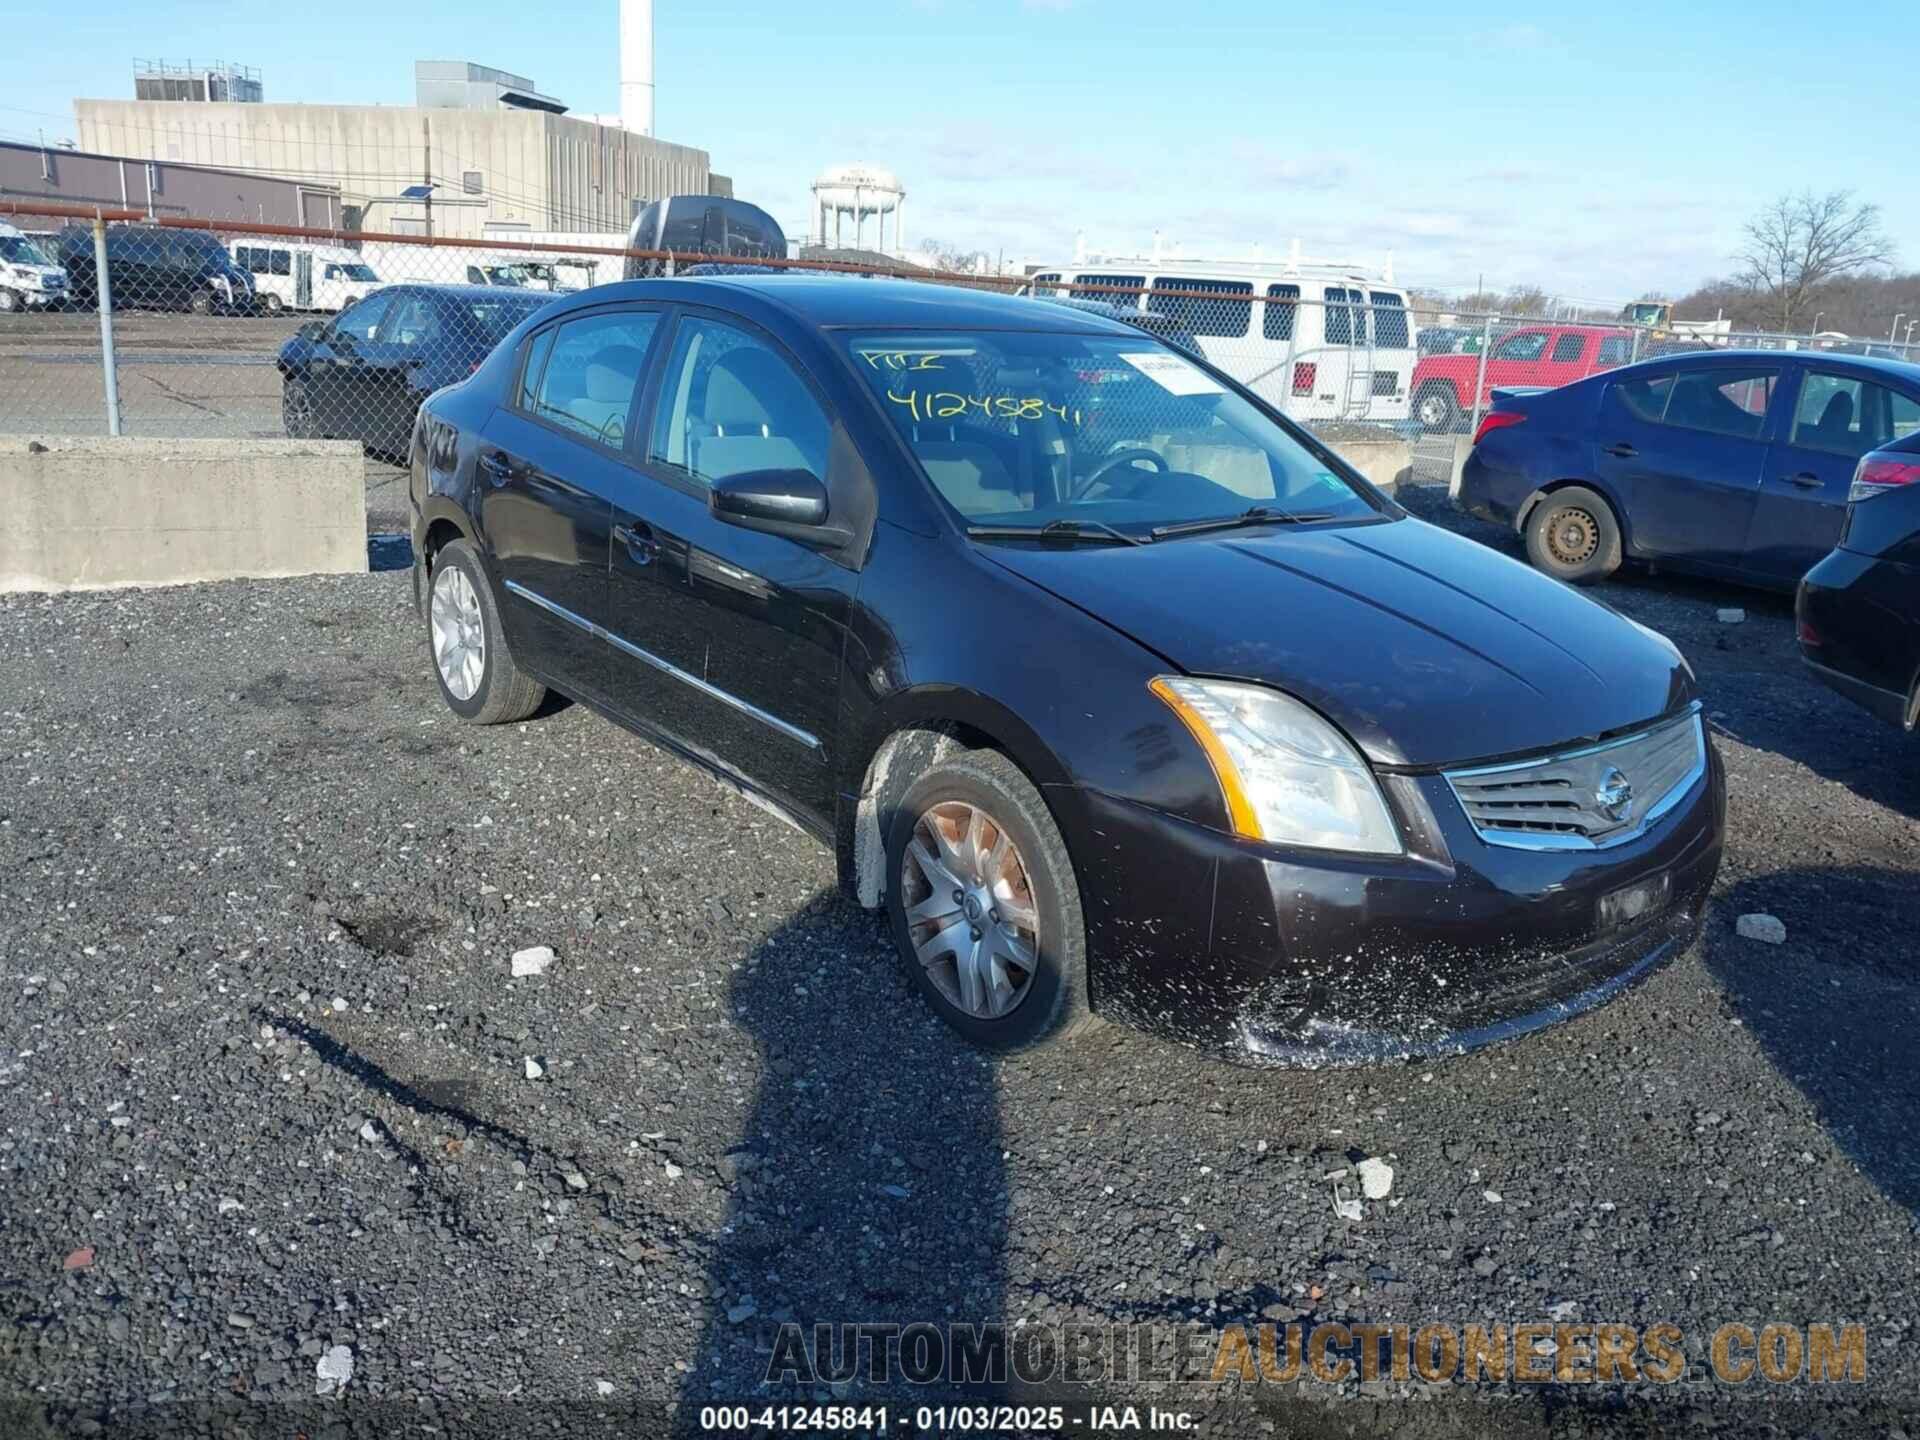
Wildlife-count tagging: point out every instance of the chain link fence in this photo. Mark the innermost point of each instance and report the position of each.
(111, 322)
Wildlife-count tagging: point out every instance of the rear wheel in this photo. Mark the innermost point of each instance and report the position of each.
(201, 302)
(296, 410)
(272, 304)
(1573, 535)
(9, 302)
(1437, 410)
(478, 677)
(984, 905)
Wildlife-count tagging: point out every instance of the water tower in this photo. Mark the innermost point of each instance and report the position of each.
(859, 191)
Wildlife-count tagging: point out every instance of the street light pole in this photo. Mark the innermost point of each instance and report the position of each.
(1818, 316)
(1896, 324)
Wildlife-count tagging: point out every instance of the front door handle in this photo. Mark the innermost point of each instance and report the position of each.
(639, 539)
(1806, 480)
(1622, 451)
(498, 467)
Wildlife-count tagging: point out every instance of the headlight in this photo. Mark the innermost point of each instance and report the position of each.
(1287, 775)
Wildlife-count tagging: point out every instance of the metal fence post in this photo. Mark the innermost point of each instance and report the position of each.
(103, 294)
(1480, 374)
(1634, 358)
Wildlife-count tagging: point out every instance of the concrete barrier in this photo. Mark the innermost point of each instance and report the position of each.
(89, 514)
(1385, 461)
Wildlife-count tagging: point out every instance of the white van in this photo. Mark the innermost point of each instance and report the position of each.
(29, 279)
(288, 275)
(1318, 341)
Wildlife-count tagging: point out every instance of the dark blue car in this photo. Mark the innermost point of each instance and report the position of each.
(362, 374)
(1727, 463)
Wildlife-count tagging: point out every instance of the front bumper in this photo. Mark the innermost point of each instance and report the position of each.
(1280, 957)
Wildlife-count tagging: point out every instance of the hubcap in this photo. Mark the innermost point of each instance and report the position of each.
(296, 403)
(970, 909)
(459, 635)
(1573, 536)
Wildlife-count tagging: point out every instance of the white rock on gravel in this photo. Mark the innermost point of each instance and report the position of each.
(1732, 616)
(532, 961)
(1767, 929)
(1349, 1210)
(339, 1002)
(534, 1068)
(333, 1370)
(605, 1387)
(1376, 1178)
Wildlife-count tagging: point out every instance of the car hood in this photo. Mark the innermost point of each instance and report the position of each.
(1426, 648)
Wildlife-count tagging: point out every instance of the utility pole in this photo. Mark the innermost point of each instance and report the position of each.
(426, 168)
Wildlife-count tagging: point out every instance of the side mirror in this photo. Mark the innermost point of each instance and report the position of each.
(792, 503)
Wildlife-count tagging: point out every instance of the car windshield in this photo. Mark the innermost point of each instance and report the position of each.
(1026, 429)
(21, 251)
(358, 272)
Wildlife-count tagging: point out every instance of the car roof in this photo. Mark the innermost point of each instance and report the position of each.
(837, 301)
(1829, 359)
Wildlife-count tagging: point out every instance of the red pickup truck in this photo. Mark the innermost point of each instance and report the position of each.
(1541, 356)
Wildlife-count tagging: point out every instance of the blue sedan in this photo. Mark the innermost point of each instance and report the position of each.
(1728, 463)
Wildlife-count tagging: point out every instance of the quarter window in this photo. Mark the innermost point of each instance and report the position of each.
(1567, 348)
(731, 403)
(1616, 349)
(1208, 314)
(1282, 303)
(592, 371)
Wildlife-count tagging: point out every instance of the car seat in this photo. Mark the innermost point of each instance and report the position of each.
(1834, 432)
(755, 414)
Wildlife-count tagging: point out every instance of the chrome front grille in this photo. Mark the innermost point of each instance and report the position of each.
(1588, 798)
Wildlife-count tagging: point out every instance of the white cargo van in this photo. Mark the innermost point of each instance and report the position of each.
(29, 279)
(1316, 340)
(288, 275)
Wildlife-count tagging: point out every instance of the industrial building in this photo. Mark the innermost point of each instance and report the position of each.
(478, 147)
(163, 187)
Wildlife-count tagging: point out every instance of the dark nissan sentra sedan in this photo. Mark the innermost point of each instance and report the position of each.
(1118, 692)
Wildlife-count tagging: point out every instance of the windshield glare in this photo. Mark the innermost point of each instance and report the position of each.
(22, 251)
(1024, 429)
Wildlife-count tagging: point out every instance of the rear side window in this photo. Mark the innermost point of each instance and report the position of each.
(1389, 321)
(1527, 345)
(1722, 401)
(1117, 294)
(592, 371)
(1282, 304)
(1346, 317)
(1616, 349)
(1208, 314)
(1567, 348)
(1644, 399)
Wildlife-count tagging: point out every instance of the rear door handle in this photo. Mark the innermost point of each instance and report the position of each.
(639, 540)
(1806, 480)
(1622, 451)
(499, 468)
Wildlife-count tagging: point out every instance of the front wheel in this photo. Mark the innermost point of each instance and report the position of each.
(1573, 535)
(272, 304)
(201, 302)
(9, 302)
(477, 675)
(984, 906)
(296, 410)
(1437, 410)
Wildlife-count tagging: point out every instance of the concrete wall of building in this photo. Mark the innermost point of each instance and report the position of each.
(547, 171)
(161, 188)
(91, 514)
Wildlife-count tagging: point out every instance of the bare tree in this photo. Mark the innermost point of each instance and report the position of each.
(1800, 242)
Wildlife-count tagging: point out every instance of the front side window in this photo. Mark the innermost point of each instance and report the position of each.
(1567, 348)
(1722, 401)
(592, 373)
(362, 322)
(1389, 320)
(1019, 428)
(1211, 313)
(1283, 301)
(731, 403)
(357, 271)
(1847, 416)
(1527, 345)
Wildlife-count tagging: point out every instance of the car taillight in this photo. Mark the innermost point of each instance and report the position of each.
(1883, 471)
(1808, 635)
(1496, 420)
(1304, 374)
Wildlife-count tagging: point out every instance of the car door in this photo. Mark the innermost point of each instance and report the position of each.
(1566, 359)
(738, 633)
(386, 381)
(330, 360)
(1683, 450)
(551, 461)
(1835, 419)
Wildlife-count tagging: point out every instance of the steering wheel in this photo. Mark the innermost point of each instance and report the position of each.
(1129, 456)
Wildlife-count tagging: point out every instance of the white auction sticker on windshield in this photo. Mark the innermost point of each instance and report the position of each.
(1173, 374)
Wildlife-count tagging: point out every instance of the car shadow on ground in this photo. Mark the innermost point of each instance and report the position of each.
(868, 1183)
(1839, 1025)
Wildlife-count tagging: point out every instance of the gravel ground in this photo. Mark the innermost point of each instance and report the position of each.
(264, 1077)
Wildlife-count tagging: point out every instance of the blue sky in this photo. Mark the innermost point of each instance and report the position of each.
(1600, 153)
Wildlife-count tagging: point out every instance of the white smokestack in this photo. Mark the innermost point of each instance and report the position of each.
(636, 66)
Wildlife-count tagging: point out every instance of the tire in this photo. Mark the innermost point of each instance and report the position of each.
(1437, 409)
(501, 691)
(1573, 535)
(1044, 1001)
(9, 302)
(296, 410)
(272, 304)
(201, 302)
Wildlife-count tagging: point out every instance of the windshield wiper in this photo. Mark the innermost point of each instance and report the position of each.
(1058, 530)
(1252, 515)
